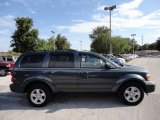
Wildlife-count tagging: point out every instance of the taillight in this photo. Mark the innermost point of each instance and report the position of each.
(12, 77)
(8, 65)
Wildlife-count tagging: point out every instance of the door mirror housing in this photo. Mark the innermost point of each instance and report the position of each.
(108, 66)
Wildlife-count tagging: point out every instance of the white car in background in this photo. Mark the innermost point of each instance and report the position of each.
(118, 60)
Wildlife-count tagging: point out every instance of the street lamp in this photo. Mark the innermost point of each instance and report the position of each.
(53, 40)
(110, 9)
(133, 41)
(80, 44)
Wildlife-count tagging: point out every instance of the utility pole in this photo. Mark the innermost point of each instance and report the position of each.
(133, 41)
(53, 40)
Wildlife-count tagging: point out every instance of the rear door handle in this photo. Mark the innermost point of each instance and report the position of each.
(26, 75)
(84, 75)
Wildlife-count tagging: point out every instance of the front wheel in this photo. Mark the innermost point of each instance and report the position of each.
(38, 95)
(131, 93)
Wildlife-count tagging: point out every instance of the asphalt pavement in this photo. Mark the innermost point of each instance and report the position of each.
(83, 106)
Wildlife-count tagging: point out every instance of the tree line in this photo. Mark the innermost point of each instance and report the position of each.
(25, 39)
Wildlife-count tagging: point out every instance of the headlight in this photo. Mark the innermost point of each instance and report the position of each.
(148, 76)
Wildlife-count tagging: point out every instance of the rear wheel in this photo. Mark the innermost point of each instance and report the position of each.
(39, 95)
(3, 72)
(131, 93)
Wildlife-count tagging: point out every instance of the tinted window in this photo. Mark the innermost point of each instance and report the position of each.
(9, 59)
(31, 61)
(61, 60)
(90, 61)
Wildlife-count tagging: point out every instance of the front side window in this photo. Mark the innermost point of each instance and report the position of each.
(61, 60)
(91, 61)
(32, 61)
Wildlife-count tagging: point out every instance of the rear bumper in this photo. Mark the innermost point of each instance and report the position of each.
(150, 86)
(16, 88)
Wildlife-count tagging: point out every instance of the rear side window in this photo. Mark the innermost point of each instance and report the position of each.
(9, 59)
(32, 61)
(61, 60)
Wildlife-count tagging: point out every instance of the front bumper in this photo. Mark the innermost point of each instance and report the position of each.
(16, 88)
(150, 86)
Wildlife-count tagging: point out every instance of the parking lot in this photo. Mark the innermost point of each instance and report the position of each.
(83, 106)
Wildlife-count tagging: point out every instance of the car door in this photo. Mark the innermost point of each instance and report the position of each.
(93, 76)
(61, 70)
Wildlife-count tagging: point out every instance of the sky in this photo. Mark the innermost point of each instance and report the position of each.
(76, 19)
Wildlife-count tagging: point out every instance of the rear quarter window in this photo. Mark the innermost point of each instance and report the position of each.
(32, 61)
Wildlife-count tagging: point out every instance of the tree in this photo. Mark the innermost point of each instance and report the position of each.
(158, 44)
(145, 46)
(51, 43)
(99, 31)
(42, 44)
(119, 45)
(24, 38)
(100, 44)
(152, 46)
(62, 43)
(100, 39)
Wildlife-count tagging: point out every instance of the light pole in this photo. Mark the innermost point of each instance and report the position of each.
(142, 42)
(53, 40)
(133, 41)
(80, 44)
(110, 9)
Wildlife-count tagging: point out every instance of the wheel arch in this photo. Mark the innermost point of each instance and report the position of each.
(132, 81)
(35, 82)
(129, 78)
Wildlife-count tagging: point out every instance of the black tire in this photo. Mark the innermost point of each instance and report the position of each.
(3, 72)
(131, 93)
(43, 99)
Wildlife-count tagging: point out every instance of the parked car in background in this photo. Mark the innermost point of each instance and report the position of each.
(5, 66)
(10, 58)
(39, 74)
(118, 60)
(129, 57)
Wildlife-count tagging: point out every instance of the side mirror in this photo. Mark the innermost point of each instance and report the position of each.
(108, 66)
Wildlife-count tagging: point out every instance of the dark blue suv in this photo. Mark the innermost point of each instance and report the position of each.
(41, 73)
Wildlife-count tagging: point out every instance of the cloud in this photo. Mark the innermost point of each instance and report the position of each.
(27, 5)
(7, 21)
(31, 11)
(5, 4)
(101, 8)
(21, 2)
(4, 32)
(121, 20)
(78, 21)
(130, 9)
